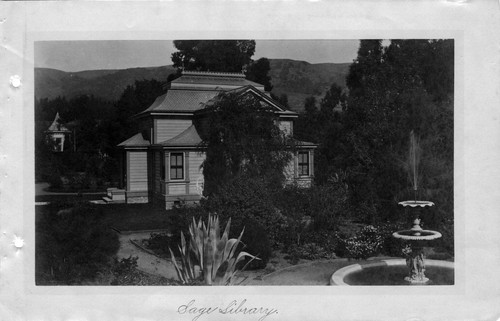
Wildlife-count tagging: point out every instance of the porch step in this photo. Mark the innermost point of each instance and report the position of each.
(107, 199)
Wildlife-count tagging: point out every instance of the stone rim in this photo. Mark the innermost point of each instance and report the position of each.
(337, 278)
(416, 203)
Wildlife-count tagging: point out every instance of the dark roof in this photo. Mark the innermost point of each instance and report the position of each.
(57, 125)
(137, 140)
(188, 137)
(182, 100)
(300, 143)
(212, 80)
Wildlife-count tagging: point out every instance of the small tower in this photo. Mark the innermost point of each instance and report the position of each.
(56, 134)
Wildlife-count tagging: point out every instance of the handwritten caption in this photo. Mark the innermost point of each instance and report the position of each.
(234, 307)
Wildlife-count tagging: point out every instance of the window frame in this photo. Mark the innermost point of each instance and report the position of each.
(301, 165)
(177, 166)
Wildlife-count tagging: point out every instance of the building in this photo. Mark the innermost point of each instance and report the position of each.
(163, 161)
(57, 134)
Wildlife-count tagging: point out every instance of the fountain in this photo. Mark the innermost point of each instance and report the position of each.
(416, 236)
(389, 272)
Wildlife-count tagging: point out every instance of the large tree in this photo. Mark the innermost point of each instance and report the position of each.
(393, 90)
(241, 138)
(213, 55)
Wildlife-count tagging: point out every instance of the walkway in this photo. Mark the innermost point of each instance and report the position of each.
(312, 273)
(146, 262)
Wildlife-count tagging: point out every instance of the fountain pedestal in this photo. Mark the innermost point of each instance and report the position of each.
(416, 266)
(415, 260)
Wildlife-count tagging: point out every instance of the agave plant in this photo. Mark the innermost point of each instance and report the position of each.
(208, 255)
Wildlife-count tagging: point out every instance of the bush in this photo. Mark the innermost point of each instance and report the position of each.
(72, 242)
(181, 216)
(254, 241)
(364, 244)
(55, 180)
(308, 251)
(160, 243)
(251, 198)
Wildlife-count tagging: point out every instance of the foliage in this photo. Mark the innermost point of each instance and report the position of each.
(242, 138)
(393, 91)
(160, 243)
(73, 242)
(365, 244)
(309, 251)
(248, 198)
(310, 211)
(215, 255)
(213, 55)
(97, 127)
(254, 240)
(258, 71)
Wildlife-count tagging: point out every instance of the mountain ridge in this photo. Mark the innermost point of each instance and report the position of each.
(296, 79)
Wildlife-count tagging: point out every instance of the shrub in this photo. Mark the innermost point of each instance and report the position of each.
(160, 243)
(254, 241)
(250, 198)
(365, 244)
(308, 251)
(327, 204)
(73, 243)
(181, 216)
(55, 180)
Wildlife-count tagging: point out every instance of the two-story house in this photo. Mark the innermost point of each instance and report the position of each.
(163, 161)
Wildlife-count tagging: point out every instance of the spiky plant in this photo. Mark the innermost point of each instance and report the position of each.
(208, 255)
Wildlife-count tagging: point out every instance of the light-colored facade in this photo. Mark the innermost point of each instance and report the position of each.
(56, 134)
(163, 161)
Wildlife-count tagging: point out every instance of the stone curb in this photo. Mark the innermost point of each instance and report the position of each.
(301, 265)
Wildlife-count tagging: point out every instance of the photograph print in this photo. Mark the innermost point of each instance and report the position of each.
(244, 162)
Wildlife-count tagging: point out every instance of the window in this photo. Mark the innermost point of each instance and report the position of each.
(303, 163)
(176, 166)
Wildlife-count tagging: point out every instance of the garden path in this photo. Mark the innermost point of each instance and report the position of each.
(146, 262)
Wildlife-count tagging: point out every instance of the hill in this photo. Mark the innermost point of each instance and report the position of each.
(296, 79)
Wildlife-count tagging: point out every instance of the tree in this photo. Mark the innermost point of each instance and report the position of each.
(241, 138)
(333, 97)
(392, 91)
(258, 71)
(213, 55)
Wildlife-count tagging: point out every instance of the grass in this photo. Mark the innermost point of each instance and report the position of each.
(125, 217)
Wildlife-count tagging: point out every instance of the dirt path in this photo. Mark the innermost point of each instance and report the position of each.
(146, 262)
(307, 273)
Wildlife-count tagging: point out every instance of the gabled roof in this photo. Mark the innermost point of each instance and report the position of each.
(265, 99)
(57, 125)
(194, 89)
(188, 137)
(137, 140)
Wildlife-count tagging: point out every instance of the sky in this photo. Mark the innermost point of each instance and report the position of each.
(120, 54)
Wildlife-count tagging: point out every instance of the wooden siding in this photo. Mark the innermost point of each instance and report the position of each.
(138, 171)
(195, 161)
(169, 128)
(176, 189)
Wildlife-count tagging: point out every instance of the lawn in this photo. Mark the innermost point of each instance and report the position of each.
(127, 217)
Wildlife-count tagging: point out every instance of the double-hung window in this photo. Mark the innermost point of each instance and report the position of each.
(176, 166)
(303, 164)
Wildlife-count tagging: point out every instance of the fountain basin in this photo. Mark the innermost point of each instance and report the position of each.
(392, 272)
(417, 235)
(416, 203)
